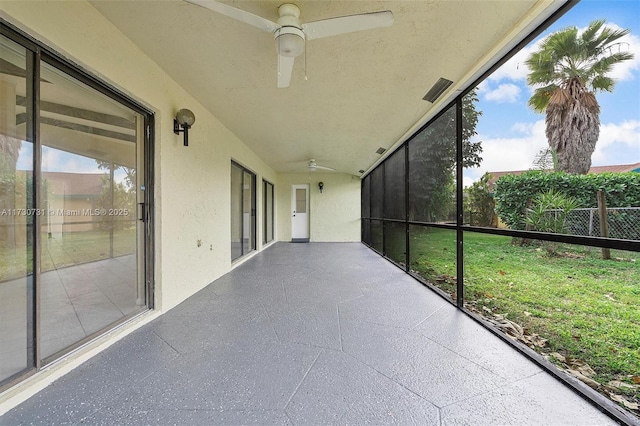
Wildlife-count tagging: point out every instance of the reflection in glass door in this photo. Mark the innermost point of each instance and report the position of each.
(90, 241)
(16, 214)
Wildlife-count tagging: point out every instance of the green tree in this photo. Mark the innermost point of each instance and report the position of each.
(568, 70)
(546, 160)
(479, 202)
(130, 173)
(433, 162)
(117, 195)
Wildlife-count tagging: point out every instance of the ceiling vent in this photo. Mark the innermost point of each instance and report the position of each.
(380, 151)
(438, 89)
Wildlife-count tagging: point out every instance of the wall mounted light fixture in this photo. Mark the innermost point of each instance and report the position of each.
(321, 186)
(182, 123)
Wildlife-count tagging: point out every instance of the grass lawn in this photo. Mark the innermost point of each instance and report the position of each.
(587, 308)
(71, 248)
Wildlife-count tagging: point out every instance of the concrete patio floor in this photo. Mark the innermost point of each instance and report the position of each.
(306, 334)
(76, 301)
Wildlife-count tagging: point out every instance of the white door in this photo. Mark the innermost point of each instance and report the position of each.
(300, 213)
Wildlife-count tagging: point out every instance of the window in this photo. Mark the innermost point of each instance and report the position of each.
(243, 211)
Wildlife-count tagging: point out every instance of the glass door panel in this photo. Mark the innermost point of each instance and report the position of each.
(301, 200)
(16, 214)
(91, 173)
(248, 212)
(268, 212)
(236, 211)
(243, 211)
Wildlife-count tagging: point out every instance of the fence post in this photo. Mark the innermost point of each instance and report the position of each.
(604, 228)
(527, 227)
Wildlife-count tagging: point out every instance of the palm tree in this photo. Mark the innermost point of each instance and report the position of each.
(568, 70)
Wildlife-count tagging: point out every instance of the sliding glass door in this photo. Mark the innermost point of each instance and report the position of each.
(75, 227)
(243, 211)
(90, 240)
(16, 218)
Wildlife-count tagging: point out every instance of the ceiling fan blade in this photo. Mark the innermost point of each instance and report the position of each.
(312, 166)
(239, 14)
(347, 24)
(285, 68)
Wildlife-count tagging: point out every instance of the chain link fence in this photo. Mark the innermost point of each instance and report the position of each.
(623, 222)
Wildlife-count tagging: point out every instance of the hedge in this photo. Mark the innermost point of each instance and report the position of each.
(512, 192)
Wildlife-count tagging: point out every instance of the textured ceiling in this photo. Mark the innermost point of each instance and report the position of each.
(364, 89)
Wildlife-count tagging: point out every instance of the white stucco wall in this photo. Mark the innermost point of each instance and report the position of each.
(192, 184)
(334, 214)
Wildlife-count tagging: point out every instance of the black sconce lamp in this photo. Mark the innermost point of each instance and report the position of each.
(182, 123)
(320, 186)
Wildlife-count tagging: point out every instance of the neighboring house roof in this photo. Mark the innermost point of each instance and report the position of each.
(74, 184)
(84, 185)
(621, 168)
(618, 168)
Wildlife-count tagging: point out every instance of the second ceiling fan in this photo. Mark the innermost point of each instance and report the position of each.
(291, 35)
(313, 166)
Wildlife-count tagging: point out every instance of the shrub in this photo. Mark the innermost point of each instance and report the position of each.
(549, 212)
(513, 193)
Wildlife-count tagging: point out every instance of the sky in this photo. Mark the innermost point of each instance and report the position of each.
(512, 133)
(55, 160)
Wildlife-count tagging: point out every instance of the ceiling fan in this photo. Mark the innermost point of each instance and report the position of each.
(313, 166)
(291, 35)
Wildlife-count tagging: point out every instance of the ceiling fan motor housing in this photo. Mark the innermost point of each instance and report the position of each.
(289, 37)
(289, 41)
